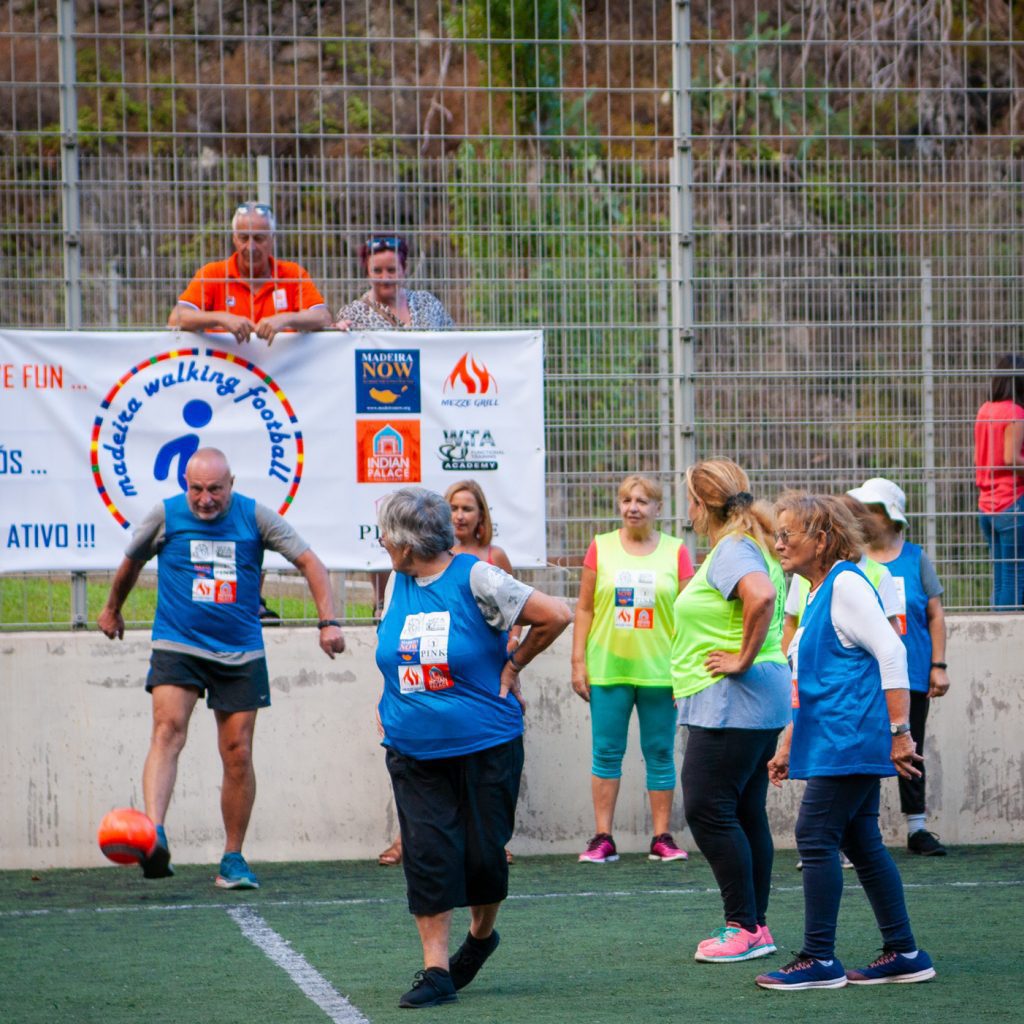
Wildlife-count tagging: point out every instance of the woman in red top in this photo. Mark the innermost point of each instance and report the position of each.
(999, 474)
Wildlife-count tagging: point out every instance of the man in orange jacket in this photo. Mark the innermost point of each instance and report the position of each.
(251, 292)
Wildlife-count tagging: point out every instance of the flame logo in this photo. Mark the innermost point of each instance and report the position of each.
(473, 377)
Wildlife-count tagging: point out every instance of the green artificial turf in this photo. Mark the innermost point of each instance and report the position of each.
(597, 943)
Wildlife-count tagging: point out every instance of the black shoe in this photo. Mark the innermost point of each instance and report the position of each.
(470, 957)
(158, 863)
(429, 988)
(925, 843)
(268, 617)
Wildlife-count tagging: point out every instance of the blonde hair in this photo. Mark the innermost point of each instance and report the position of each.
(485, 528)
(653, 490)
(823, 513)
(728, 505)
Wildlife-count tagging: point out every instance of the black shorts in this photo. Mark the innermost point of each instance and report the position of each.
(456, 815)
(244, 687)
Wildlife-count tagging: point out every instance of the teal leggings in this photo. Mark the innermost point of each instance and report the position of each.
(610, 708)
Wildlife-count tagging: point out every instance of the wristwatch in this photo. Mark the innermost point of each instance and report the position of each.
(899, 730)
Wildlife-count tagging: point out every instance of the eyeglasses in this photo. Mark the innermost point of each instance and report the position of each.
(783, 536)
(379, 243)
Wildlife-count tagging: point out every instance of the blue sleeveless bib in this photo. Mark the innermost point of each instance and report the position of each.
(841, 726)
(442, 665)
(906, 572)
(208, 577)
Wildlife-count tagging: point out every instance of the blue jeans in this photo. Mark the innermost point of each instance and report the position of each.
(1004, 534)
(841, 812)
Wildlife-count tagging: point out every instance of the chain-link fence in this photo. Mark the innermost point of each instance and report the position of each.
(788, 232)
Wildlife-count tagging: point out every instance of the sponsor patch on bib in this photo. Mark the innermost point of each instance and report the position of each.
(423, 653)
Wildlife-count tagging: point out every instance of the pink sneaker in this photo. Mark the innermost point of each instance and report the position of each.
(600, 850)
(664, 847)
(732, 944)
(716, 939)
(767, 940)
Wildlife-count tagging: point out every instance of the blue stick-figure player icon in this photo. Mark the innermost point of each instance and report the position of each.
(196, 414)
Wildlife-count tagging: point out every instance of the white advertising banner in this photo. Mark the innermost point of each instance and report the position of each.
(96, 429)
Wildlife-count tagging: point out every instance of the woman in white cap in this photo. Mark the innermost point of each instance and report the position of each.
(923, 631)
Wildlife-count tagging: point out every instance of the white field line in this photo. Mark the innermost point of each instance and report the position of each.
(400, 901)
(310, 981)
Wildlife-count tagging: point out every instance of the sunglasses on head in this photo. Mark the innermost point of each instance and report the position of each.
(260, 208)
(379, 243)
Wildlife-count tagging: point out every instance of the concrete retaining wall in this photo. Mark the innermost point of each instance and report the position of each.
(75, 730)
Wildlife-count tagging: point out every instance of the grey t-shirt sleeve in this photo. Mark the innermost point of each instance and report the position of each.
(279, 535)
(148, 538)
(929, 578)
(735, 558)
(499, 596)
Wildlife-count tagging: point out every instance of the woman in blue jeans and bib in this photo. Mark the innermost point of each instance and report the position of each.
(850, 729)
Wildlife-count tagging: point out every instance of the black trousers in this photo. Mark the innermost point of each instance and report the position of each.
(725, 784)
(456, 814)
(912, 790)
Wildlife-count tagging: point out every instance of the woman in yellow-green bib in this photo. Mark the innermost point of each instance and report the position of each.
(620, 660)
(733, 686)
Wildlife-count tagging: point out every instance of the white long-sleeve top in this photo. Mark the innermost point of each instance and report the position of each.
(859, 621)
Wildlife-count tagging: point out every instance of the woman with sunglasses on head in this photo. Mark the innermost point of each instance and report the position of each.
(731, 681)
(387, 304)
(850, 729)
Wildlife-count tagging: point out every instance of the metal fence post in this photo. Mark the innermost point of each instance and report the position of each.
(79, 600)
(263, 180)
(928, 410)
(681, 202)
(71, 216)
(70, 198)
(665, 433)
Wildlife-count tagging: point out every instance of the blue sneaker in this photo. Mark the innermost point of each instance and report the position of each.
(235, 873)
(894, 968)
(804, 972)
(158, 863)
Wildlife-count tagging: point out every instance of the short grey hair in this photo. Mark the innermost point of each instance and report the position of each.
(252, 207)
(417, 518)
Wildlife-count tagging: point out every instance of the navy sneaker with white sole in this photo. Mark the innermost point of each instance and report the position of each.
(802, 973)
(894, 968)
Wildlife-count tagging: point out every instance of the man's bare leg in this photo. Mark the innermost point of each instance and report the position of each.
(172, 709)
(234, 739)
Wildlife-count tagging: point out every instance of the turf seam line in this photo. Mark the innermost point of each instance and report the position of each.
(310, 981)
(512, 897)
